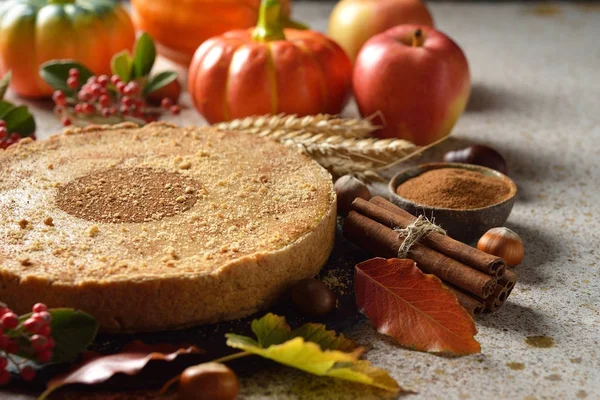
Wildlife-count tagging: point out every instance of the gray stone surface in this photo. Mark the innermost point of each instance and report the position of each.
(536, 98)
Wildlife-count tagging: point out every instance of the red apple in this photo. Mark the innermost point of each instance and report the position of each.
(353, 22)
(416, 78)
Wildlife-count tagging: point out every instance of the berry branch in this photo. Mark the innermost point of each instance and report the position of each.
(28, 337)
(130, 94)
(106, 100)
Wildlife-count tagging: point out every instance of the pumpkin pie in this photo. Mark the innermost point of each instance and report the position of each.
(159, 227)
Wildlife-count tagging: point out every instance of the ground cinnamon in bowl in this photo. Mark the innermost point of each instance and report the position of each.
(454, 188)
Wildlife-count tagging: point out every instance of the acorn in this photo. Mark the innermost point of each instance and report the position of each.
(347, 189)
(209, 381)
(504, 243)
(478, 154)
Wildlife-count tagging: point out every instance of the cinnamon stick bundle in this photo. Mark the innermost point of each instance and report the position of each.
(480, 281)
(382, 240)
(397, 217)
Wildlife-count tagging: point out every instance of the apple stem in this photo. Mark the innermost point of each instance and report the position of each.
(417, 38)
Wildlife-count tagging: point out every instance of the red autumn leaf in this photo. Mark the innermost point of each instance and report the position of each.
(96, 369)
(414, 308)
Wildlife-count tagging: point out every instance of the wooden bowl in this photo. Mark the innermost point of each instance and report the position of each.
(465, 225)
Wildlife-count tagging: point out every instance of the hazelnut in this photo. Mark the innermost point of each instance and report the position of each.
(504, 243)
(479, 155)
(209, 381)
(313, 298)
(347, 189)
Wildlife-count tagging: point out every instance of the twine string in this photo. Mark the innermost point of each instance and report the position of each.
(414, 232)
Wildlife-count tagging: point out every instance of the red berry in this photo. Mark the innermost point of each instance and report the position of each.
(124, 110)
(15, 137)
(38, 342)
(104, 100)
(9, 320)
(92, 79)
(96, 89)
(115, 79)
(73, 82)
(84, 95)
(4, 377)
(127, 101)
(65, 121)
(2, 125)
(3, 341)
(74, 72)
(45, 330)
(44, 356)
(32, 325)
(120, 86)
(3, 132)
(39, 307)
(59, 97)
(50, 343)
(175, 110)
(139, 103)
(3, 363)
(88, 108)
(12, 346)
(27, 373)
(131, 88)
(103, 80)
(112, 110)
(166, 103)
(44, 316)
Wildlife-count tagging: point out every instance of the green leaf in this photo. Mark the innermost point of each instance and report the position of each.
(271, 329)
(19, 120)
(327, 340)
(4, 82)
(158, 81)
(121, 65)
(73, 331)
(56, 73)
(313, 349)
(5, 108)
(144, 55)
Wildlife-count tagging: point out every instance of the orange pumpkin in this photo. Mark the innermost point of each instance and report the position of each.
(180, 26)
(269, 70)
(35, 31)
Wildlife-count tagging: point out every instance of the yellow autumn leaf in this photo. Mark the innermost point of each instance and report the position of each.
(309, 357)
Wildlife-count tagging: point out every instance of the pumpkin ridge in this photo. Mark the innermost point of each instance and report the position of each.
(272, 77)
(322, 80)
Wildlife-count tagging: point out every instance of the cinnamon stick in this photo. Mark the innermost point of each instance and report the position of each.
(505, 285)
(509, 279)
(495, 301)
(397, 217)
(474, 306)
(383, 241)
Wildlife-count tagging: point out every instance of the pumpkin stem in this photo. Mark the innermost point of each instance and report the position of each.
(270, 22)
(417, 38)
